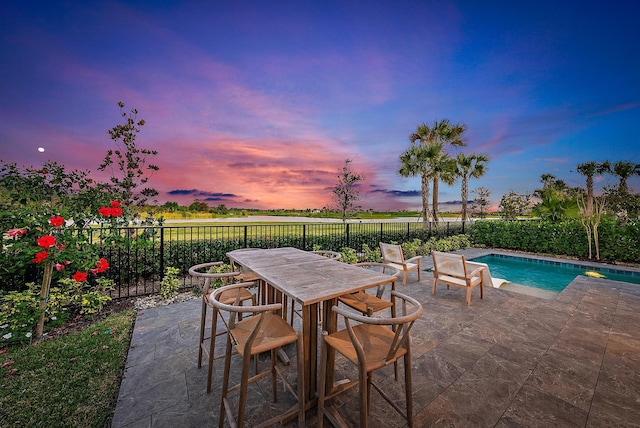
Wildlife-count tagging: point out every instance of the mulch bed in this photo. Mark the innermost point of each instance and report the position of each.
(77, 321)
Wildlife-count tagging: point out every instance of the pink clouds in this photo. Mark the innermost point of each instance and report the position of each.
(269, 172)
(262, 173)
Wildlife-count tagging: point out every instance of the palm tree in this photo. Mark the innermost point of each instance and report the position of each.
(555, 205)
(413, 162)
(469, 166)
(624, 170)
(589, 170)
(548, 180)
(442, 133)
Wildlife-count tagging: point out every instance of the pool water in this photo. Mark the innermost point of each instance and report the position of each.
(544, 274)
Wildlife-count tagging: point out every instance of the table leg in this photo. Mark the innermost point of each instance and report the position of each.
(330, 325)
(310, 343)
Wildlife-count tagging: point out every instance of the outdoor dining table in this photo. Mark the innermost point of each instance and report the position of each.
(310, 280)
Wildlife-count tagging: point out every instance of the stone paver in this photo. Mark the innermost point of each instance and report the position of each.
(508, 360)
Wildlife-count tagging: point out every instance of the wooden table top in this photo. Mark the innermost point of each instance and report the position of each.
(306, 277)
(253, 258)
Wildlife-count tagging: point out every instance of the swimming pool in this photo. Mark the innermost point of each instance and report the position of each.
(545, 274)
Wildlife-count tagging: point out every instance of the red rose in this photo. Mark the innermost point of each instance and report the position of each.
(16, 232)
(115, 204)
(56, 221)
(102, 265)
(58, 266)
(104, 211)
(41, 256)
(47, 241)
(79, 276)
(116, 212)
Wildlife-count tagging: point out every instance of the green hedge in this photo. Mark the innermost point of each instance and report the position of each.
(619, 243)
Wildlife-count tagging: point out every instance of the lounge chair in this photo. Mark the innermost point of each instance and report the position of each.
(453, 269)
(392, 256)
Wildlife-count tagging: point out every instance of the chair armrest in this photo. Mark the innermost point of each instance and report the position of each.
(413, 259)
(476, 271)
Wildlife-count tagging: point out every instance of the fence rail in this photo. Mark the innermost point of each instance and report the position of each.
(138, 263)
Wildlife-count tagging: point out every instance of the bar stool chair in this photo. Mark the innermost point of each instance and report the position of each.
(372, 344)
(368, 303)
(264, 331)
(209, 277)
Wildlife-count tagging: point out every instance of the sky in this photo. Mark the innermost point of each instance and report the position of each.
(257, 104)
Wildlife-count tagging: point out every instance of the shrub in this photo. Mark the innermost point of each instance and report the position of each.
(348, 255)
(170, 283)
(370, 255)
(617, 242)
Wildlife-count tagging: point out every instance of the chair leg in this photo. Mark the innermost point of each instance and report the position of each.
(364, 398)
(419, 272)
(469, 296)
(244, 386)
(274, 374)
(212, 347)
(323, 376)
(225, 382)
(203, 321)
(301, 384)
(369, 381)
(435, 281)
(408, 388)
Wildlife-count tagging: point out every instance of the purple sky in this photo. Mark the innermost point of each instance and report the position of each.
(257, 104)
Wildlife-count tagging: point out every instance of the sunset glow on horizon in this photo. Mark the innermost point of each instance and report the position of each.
(258, 104)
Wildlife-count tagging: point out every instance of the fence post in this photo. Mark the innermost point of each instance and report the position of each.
(346, 230)
(245, 236)
(304, 236)
(161, 252)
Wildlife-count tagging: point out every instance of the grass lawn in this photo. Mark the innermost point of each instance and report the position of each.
(69, 381)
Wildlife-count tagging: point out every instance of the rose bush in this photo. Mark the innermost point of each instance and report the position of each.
(67, 258)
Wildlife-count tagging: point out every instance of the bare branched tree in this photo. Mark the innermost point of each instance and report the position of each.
(347, 192)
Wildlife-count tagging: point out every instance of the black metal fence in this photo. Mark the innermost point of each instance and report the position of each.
(140, 256)
(137, 268)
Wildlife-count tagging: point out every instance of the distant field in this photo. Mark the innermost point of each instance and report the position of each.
(228, 228)
(304, 216)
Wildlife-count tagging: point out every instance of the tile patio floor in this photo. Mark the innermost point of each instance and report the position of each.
(509, 360)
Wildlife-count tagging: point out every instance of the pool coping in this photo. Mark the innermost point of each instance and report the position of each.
(473, 253)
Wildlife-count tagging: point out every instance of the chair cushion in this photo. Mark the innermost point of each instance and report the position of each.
(375, 339)
(361, 301)
(229, 297)
(403, 267)
(458, 281)
(274, 333)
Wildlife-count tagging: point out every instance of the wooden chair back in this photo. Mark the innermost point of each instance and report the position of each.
(411, 311)
(391, 253)
(449, 264)
(210, 275)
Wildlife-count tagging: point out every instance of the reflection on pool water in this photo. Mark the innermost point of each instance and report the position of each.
(547, 275)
